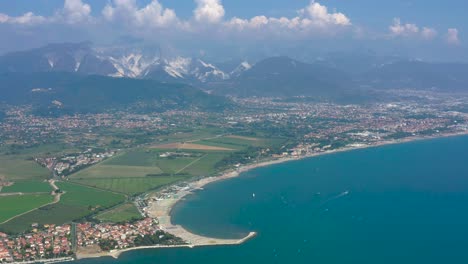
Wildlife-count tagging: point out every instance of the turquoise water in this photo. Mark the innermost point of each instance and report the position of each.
(407, 203)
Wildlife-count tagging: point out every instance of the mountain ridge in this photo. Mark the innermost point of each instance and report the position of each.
(274, 76)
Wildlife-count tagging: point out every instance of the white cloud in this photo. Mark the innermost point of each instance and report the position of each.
(428, 33)
(3, 18)
(452, 36)
(211, 11)
(312, 19)
(314, 16)
(152, 15)
(75, 11)
(28, 18)
(399, 29)
(319, 15)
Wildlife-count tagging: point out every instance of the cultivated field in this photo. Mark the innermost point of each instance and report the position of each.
(191, 136)
(115, 171)
(121, 213)
(11, 206)
(28, 187)
(130, 185)
(18, 168)
(145, 169)
(77, 202)
(243, 138)
(191, 146)
(77, 195)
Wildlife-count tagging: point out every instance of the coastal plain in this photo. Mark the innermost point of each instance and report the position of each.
(104, 186)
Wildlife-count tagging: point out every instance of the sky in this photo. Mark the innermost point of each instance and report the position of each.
(421, 29)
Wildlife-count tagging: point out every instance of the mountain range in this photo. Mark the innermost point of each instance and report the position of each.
(83, 58)
(326, 77)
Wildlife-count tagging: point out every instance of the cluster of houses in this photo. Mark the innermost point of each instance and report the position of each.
(74, 162)
(70, 163)
(49, 242)
(89, 234)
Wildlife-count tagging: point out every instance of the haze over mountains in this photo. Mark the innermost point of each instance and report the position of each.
(327, 77)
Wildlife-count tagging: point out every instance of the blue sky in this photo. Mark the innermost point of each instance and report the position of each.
(433, 30)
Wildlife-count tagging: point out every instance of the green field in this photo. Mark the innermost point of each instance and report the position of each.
(49, 214)
(191, 136)
(115, 171)
(41, 149)
(18, 168)
(77, 202)
(121, 213)
(174, 165)
(130, 185)
(136, 171)
(11, 206)
(28, 187)
(217, 143)
(77, 195)
(258, 142)
(206, 165)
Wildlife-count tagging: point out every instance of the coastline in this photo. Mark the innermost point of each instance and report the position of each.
(162, 208)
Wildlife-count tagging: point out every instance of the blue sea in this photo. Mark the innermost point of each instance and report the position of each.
(405, 203)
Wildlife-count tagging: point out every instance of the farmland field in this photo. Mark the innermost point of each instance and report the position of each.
(130, 185)
(50, 214)
(77, 195)
(221, 145)
(139, 157)
(11, 206)
(191, 136)
(115, 171)
(191, 146)
(242, 138)
(174, 165)
(18, 168)
(124, 212)
(239, 141)
(28, 187)
(152, 158)
(77, 202)
(206, 165)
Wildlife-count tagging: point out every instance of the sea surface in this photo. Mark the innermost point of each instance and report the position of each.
(405, 203)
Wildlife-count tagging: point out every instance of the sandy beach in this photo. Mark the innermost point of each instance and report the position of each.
(161, 208)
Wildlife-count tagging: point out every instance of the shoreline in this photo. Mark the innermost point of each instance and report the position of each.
(162, 208)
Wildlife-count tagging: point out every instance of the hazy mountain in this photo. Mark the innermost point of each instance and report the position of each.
(417, 75)
(69, 92)
(283, 76)
(116, 62)
(356, 62)
(65, 57)
(331, 74)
